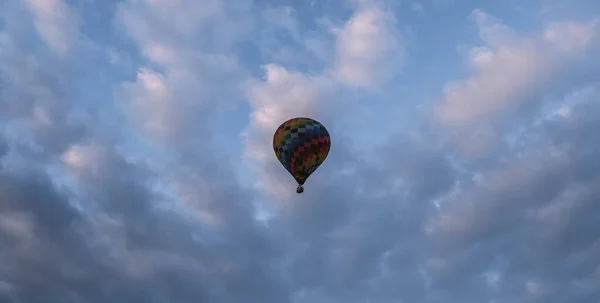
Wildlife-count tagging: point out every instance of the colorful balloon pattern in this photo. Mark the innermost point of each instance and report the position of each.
(301, 145)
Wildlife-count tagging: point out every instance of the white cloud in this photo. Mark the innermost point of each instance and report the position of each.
(564, 111)
(512, 71)
(57, 23)
(369, 49)
(196, 65)
(153, 106)
(213, 25)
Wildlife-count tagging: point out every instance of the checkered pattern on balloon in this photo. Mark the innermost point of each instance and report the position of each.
(301, 145)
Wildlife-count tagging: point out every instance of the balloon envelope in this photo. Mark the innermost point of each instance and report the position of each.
(301, 145)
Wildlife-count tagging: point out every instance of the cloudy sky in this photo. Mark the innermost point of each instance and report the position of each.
(136, 161)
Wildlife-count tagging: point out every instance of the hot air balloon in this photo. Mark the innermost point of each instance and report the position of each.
(301, 145)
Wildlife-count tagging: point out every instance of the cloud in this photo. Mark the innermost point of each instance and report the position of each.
(153, 180)
(56, 22)
(514, 72)
(524, 215)
(3, 147)
(35, 92)
(369, 49)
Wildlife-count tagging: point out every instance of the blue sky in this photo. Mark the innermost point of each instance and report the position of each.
(136, 161)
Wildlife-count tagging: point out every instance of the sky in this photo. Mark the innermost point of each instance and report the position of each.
(136, 160)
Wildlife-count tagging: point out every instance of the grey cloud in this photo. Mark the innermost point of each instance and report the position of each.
(37, 91)
(352, 246)
(121, 248)
(4, 148)
(537, 214)
(44, 251)
(63, 256)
